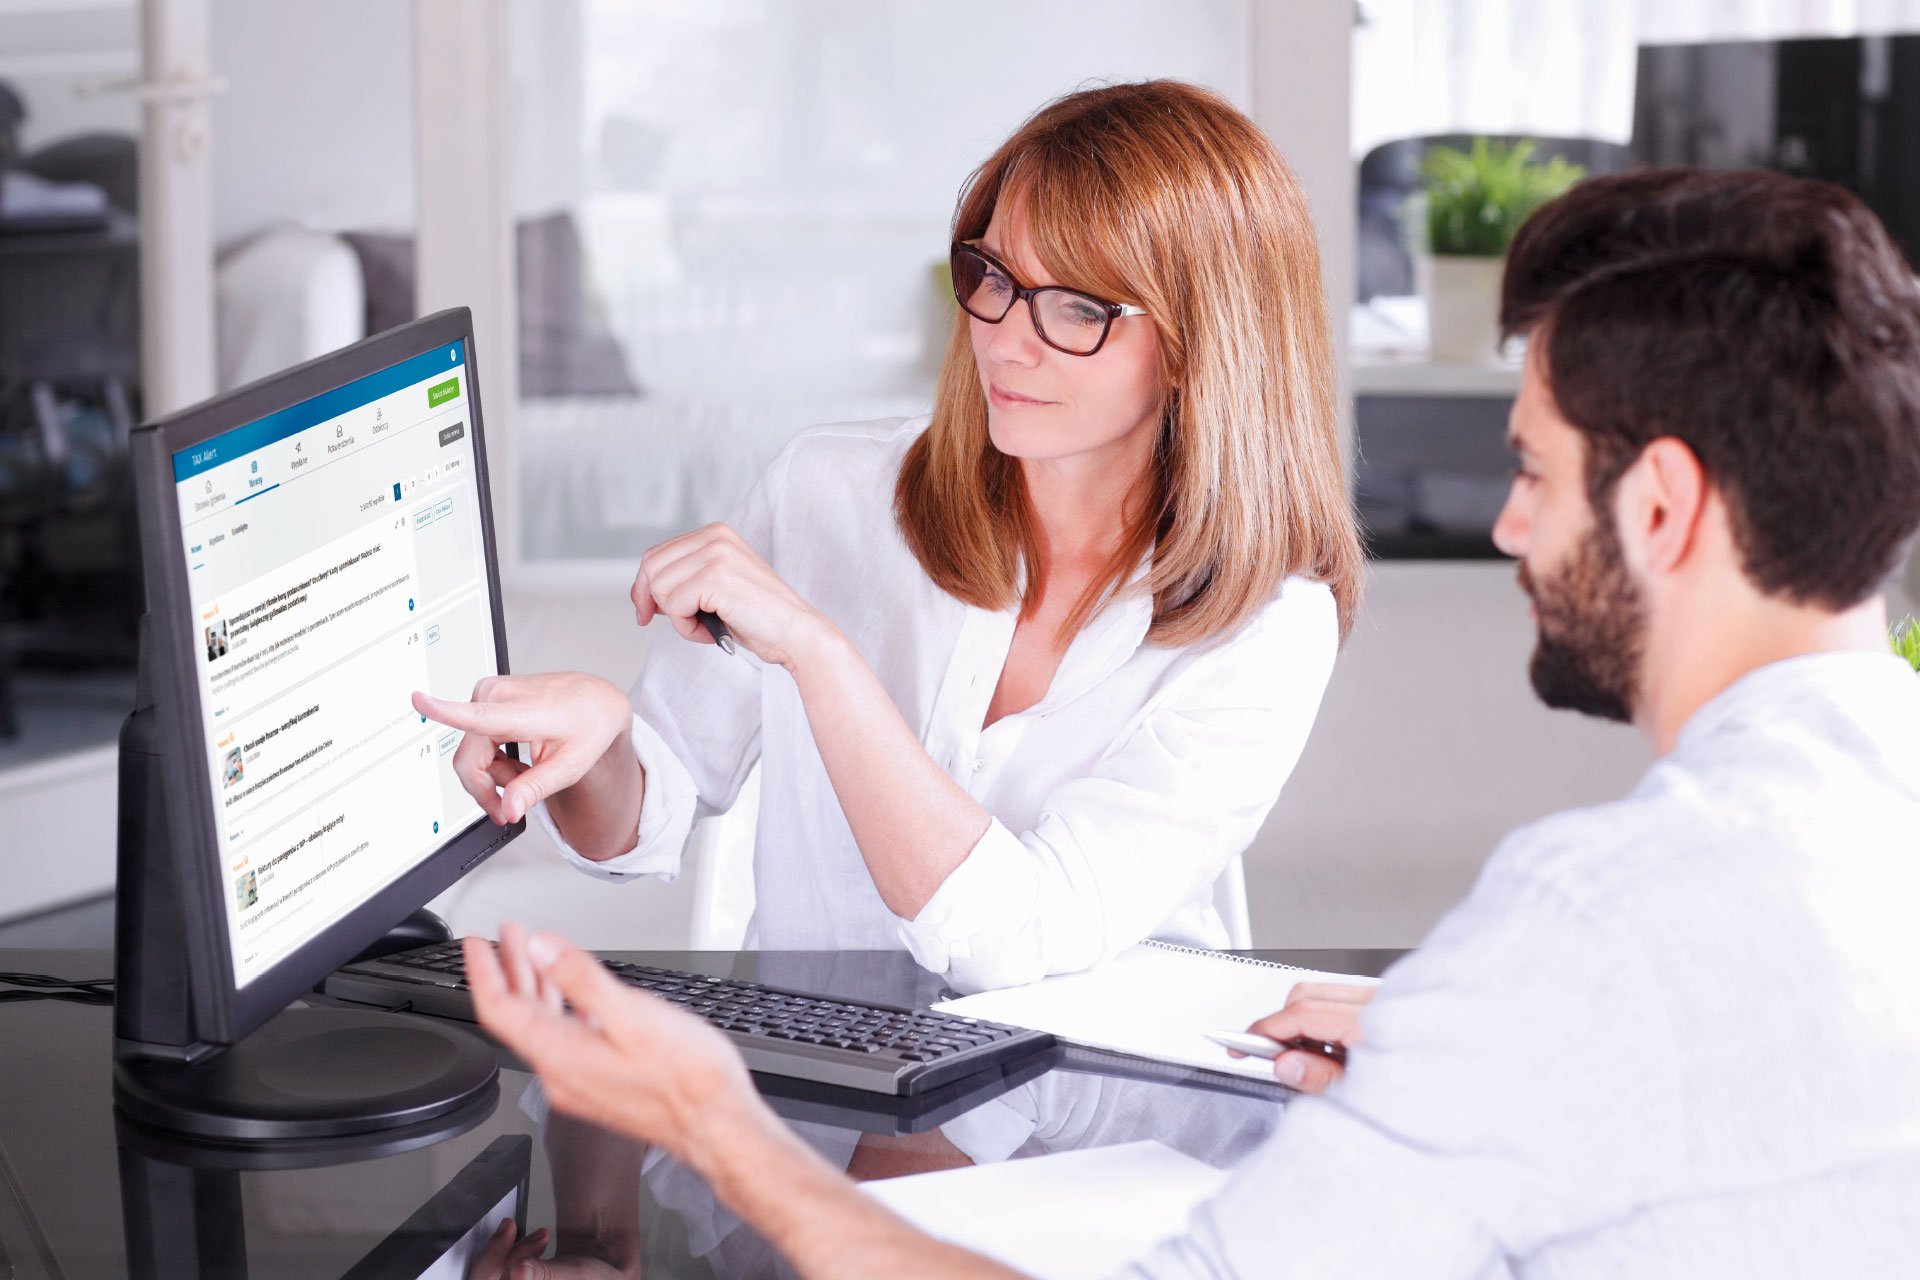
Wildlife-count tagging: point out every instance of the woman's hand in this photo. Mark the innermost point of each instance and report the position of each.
(1325, 1011)
(570, 720)
(621, 1059)
(714, 569)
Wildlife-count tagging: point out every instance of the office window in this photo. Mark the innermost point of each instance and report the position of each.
(729, 218)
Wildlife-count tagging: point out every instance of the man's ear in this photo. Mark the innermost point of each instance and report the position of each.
(1659, 504)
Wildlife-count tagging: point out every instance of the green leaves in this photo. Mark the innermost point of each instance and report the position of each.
(1477, 199)
(1906, 642)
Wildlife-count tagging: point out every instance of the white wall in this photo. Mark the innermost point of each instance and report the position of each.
(1429, 747)
(51, 48)
(318, 125)
(59, 818)
(1302, 97)
(546, 105)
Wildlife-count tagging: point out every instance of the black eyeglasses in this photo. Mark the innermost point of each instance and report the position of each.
(1066, 319)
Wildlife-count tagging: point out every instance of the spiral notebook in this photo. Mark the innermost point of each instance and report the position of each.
(1155, 1001)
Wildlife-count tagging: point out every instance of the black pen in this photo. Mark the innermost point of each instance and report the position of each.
(717, 629)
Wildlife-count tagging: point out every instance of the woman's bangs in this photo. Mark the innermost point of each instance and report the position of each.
(1077, 239)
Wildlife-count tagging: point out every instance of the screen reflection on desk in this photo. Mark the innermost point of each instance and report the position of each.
(184, 1210)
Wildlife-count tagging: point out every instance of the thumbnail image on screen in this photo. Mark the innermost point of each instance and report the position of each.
(335, 563)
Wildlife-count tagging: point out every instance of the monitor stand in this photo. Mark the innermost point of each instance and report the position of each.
(312, 1073)
(308, 1072)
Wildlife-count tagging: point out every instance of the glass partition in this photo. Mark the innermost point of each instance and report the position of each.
(731, 220)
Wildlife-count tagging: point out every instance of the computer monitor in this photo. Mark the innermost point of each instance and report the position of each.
(315, 547)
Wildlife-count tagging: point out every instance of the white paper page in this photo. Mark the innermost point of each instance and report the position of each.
(1058, 1217)
(1154, 1002)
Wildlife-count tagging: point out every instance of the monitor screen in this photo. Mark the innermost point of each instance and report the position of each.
(335, 562)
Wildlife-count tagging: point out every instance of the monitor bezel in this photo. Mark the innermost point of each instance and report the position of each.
(223, 1012)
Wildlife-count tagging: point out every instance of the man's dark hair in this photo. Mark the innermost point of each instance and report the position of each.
(1766, 321)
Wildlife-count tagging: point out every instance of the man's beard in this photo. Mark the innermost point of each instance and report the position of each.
(1592, 630)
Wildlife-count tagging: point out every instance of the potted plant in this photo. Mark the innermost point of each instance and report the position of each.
(1475, 201)
(1906, 642)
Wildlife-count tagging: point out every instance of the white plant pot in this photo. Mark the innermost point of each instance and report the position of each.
(1463, 307)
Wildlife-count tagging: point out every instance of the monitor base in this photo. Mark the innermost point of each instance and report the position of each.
(312, 1072)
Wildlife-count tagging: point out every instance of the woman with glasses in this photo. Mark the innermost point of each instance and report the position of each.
(1022, 677)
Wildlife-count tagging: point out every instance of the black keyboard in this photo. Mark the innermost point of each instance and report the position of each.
(853, 1044)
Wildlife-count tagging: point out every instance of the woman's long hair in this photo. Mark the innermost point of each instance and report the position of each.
(1163, 196)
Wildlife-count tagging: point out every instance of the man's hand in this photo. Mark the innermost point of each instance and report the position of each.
(1327, 1011)
(626, 1061)
(621, 1059)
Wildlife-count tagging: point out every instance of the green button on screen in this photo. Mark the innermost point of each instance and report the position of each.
(441, 392)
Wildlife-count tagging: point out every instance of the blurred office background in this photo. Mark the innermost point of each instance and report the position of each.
(689, 229)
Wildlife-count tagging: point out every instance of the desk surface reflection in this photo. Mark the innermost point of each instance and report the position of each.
(85, 1195)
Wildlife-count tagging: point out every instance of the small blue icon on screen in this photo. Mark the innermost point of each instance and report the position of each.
(409, 604)
(436, 828)
(453, 355)
(396, 491)
(423, 719)
(256, 468)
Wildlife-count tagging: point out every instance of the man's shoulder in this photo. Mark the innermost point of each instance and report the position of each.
(1748, 814)
(1669, 826)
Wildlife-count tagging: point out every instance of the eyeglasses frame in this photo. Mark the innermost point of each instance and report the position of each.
(1023, 293)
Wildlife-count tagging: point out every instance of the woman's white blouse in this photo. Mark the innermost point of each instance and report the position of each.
(1117, 799)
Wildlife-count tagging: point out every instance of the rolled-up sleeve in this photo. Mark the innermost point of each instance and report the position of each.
(667, 811)
(1118, 851)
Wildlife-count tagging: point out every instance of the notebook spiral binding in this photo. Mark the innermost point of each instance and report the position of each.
(1222, 955)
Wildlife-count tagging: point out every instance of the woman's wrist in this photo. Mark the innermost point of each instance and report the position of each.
(593, 813)
(618, 711)
(817, 644)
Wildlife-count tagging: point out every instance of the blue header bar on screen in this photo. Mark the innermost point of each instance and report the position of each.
(237, 443)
